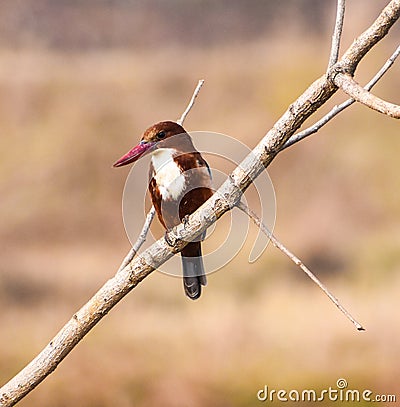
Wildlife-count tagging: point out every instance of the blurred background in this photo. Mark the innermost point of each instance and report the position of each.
(79, 82)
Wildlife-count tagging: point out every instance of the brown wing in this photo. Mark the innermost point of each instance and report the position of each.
(198, 176)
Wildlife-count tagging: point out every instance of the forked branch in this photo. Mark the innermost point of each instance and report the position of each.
(224, 199)
(339, 108)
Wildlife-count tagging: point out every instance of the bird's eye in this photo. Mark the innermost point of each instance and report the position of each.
(161, 134)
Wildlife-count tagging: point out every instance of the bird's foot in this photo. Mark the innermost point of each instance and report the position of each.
(170, 241)
(185, 220)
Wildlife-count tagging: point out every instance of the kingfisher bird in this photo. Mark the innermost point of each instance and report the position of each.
(179, 183)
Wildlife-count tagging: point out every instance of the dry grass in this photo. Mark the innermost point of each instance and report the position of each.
(66, 117)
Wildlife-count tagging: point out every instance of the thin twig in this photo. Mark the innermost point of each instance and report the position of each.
(357, 92)
(337, 34)
(298, 262)
(383, 70)
(141, 239)
(338, 108)
(191, 103)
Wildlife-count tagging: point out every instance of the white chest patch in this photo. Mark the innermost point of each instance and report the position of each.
(170, 180)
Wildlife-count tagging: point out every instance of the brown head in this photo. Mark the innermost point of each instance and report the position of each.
(160, 135)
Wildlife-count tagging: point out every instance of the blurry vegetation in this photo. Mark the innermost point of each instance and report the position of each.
(132, 23)
(79, 81)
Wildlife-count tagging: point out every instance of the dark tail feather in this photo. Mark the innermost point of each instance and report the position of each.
(193, 276)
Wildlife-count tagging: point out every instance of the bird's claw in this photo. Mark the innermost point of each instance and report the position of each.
(169, 241)
(185, 220)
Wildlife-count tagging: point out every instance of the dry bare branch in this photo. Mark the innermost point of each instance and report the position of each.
(358, 93)
(191, 103)
(224, 199)
(141, 239)
(339, 108)
(337, 33)
(298, 262)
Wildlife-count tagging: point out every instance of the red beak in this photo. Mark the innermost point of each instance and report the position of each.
(139, 151)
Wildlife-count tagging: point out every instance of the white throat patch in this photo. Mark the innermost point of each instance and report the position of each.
(170, 180)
